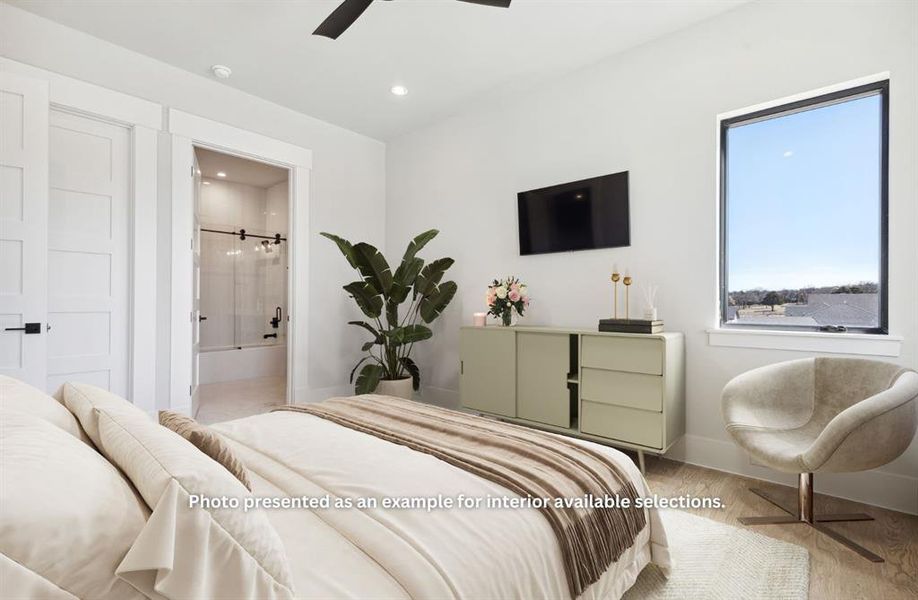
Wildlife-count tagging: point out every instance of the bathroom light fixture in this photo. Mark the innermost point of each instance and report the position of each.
(399, 90)
(221, 71)
(221, 174)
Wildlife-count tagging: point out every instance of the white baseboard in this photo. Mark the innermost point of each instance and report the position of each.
(877, 488)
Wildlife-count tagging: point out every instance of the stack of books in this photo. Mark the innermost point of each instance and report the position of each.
(630, 326)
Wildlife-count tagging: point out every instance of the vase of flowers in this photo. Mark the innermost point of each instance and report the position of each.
(507, 298)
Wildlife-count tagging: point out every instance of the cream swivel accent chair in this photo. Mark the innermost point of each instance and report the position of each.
(832, 415)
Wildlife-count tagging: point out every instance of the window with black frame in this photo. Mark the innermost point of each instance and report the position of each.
(804, 214)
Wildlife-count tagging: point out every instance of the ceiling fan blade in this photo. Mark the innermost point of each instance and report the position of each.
(494, 3)
(342, 18)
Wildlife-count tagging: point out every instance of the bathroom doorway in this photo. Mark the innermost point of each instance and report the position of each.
(241, 286)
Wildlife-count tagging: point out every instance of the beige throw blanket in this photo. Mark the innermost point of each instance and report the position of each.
(528, 462)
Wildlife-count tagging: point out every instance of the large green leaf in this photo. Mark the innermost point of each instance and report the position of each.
(413, 370)
(431, 275)
(392, 313)
(347, 249)
(434, 304)
(407, 272)
(415, 245)
(368, 379)
(377, 337)
(409, 334)
(398, 292)
(360, 362)
(373, 266)
(367, 298)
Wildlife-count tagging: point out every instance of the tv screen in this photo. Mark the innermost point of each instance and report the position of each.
(582, 215)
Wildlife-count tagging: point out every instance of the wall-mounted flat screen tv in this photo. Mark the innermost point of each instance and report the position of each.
(581, 215)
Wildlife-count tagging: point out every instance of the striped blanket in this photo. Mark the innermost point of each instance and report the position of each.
(530, 463)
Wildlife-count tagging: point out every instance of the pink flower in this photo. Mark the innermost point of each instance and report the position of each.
(514, 295)
(526, 301)
(515, 286)
(491, 297)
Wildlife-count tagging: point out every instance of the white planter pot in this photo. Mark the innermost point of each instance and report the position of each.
(400, 388)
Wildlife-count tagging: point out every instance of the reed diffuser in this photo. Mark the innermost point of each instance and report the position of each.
(650, 299)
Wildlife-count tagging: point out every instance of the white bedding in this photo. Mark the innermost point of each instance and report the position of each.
(410, 553)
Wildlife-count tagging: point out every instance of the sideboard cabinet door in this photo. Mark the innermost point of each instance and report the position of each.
(542, 364)
(487, 380)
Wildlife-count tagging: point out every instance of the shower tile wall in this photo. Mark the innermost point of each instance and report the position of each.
(243, 281)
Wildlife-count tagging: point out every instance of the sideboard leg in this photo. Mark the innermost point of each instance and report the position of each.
(641, 462)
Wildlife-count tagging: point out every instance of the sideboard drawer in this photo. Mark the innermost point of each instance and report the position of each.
(640, 427)
(632, 390)
(631, 354)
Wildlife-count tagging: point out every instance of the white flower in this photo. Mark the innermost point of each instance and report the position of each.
(524, 290)
(501, 292)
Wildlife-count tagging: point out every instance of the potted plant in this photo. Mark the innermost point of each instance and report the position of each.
(379, 293)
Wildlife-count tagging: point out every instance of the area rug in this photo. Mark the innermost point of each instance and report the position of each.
(712, 560)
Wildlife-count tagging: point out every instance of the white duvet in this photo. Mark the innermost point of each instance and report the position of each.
(410, 553)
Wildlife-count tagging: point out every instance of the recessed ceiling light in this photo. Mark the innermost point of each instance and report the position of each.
(221, 71)
(206, 182)
(399, 90)
(221, 174)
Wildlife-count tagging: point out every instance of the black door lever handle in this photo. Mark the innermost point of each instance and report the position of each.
(29, 328)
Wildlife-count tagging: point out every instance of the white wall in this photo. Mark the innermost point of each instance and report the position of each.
(276, 210)
(347, 194)
(652, 111)
(234, 205)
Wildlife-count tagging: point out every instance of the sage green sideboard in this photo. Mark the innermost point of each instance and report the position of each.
(621, 389)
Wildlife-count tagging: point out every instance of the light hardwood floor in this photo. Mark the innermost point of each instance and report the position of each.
(836, 573)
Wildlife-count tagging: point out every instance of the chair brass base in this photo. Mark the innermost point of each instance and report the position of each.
(804, 516)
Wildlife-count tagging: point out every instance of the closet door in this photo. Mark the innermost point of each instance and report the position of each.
(88, 252)
(23, 227)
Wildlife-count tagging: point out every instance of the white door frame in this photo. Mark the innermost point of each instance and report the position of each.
(188, 131)
(144, 120)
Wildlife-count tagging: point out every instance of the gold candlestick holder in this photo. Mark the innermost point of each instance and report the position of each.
(615, 278)
(627, 281)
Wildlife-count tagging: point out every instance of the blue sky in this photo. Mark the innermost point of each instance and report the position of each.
(803, 193)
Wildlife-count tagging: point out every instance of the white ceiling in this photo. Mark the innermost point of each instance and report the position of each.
(448, 53)
(238, 170)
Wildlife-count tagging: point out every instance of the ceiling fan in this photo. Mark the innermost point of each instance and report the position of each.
(349, 11)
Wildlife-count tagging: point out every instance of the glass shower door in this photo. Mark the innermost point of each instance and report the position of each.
(218, 304)
(260, 292)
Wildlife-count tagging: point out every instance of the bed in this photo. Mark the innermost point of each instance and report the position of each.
(171, 550)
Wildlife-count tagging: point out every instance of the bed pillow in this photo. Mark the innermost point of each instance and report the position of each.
(185, 550)
(22, 397)
(207, 441)
(83, 400)
(68, 517)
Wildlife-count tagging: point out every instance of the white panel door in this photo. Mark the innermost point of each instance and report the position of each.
(88, 221)
(23, 226)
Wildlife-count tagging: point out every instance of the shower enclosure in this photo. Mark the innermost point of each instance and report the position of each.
(243, 289)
